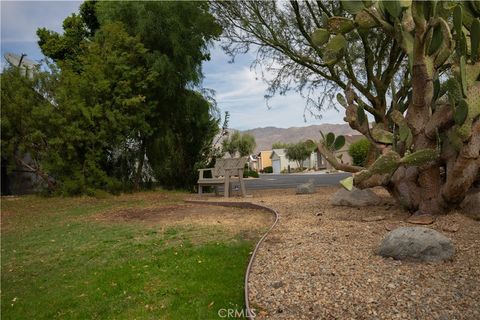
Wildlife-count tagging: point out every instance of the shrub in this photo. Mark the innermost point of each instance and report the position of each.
(299, 152)
(268, 169)
(250, 173)
(359, 151)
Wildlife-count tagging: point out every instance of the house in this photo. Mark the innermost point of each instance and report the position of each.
(264, 159)
(253, 162)
(280, 162)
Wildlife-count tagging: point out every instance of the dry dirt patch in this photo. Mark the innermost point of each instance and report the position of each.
(233, 220)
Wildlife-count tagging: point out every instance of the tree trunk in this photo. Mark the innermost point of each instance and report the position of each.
(39, 172)
(138, 176)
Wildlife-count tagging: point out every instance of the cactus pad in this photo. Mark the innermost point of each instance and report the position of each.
(330, 139)
(463, 76)
(385, 164)
(458, 19)
(419, 157)
(361, 116)
(393, 8)
(339, 143)
(437, 40)
(347, 183)
(382, 136)
(404, 132)
(337, 43)
(341, 100)
(320, 37)
(475, 39)
(364, 20)
(461, 112)
(340, 25)
(352, 7)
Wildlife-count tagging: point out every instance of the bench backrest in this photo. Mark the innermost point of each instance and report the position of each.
(223, 164)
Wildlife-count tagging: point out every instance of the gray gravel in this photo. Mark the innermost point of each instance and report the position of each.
(320, 262)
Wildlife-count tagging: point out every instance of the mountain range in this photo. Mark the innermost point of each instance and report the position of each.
(265, 137)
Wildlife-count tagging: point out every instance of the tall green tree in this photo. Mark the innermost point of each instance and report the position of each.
(298, 152)
(23, 114)
(126, 104)
(241, 143)
(105, 113)
(177, 37)
(402, 62)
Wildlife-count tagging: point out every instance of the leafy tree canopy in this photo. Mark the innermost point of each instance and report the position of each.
(122, 105)
(280, 145)
(244, 144)
(299, 152)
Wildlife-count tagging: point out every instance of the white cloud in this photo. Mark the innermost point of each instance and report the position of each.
(240, 91)
(20, 19)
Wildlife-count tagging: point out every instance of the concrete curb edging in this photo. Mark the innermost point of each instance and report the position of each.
(245, 205)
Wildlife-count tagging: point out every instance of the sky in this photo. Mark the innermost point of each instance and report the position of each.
(238, 89)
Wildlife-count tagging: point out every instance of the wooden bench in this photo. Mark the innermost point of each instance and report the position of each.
(221, 175)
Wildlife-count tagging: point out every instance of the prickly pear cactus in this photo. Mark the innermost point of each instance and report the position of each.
(425, 139)
(453, 39)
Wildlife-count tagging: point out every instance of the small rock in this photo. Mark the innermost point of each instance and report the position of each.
(417, 244)
(390, 226)
(423, 219)
(355, 198)
(372, 218)
(306, 188)
(451, 227)
(278, 284)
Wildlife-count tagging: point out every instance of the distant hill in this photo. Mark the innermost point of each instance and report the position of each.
(265, 137)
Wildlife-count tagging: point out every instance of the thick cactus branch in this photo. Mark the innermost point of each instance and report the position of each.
(465, 169)
(330, 157)
(442, 119)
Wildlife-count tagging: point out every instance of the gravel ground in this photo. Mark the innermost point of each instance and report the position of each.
(320, 263)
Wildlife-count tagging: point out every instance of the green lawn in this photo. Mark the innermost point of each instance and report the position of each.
(59, 263)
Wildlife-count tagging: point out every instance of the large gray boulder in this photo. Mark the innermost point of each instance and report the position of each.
(306, 188)
(355, 198)
(416, 244)
(470, 206)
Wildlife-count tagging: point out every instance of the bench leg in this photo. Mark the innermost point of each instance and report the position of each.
(216, 190)
(242, 183)
(199, 190)
(226, 188)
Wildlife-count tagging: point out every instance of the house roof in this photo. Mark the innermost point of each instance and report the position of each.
(278, 152)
